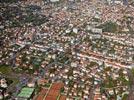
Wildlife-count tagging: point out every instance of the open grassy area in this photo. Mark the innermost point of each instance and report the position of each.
(109, 27)
(5, 70)
(15, 81)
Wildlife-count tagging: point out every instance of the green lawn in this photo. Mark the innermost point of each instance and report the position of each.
(109, 27)
(5, 70)
(15, 81)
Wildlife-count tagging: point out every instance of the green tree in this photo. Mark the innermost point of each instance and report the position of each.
(109, 27)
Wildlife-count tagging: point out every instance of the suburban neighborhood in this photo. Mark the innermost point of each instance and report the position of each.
(66, 50)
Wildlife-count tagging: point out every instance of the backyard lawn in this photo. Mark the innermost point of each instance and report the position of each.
(5, 70)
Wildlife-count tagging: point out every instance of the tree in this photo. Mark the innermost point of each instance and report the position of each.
(109, 27)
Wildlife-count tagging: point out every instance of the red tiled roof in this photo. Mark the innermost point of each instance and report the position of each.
(96, 97)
